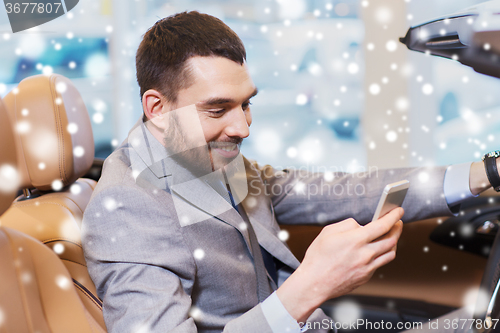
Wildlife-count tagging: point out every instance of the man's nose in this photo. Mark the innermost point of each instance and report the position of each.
(238, 126)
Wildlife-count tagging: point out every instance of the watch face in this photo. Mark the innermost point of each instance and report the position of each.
(494, 154)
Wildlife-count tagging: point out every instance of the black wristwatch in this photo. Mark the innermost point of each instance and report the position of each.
(490, 164)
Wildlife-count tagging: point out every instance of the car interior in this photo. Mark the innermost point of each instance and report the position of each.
(44, 283)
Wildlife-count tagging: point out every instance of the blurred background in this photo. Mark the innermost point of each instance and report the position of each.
(336, 88)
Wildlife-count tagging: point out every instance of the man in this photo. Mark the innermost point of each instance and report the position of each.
(181, 234)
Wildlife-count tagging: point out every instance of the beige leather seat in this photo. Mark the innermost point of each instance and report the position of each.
(36, 294)
(55, 148)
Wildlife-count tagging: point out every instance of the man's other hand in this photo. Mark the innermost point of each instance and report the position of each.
(343, 256)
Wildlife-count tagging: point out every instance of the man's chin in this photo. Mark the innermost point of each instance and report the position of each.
(221, 157)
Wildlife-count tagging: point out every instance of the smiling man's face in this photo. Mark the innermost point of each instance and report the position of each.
(221, 91)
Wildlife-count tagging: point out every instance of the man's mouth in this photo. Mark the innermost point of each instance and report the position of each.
(226, 149)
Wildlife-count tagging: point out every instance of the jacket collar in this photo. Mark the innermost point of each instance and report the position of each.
(199, 198)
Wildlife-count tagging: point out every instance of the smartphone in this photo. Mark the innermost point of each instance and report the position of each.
(392, 197)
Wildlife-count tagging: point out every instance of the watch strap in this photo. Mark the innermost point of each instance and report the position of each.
(490, 164)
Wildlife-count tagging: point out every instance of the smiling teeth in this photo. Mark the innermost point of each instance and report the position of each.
(228, 148)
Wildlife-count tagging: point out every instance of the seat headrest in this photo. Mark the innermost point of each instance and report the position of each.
(54, 131)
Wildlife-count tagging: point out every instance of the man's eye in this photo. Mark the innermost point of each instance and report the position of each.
(245, 106)
(217, 113)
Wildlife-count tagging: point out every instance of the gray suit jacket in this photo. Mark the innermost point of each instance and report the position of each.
(157, 273)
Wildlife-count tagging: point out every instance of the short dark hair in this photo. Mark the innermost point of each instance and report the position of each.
(161, 60)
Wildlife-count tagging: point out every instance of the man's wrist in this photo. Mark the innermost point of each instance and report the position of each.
(478, 180)
(298, 297)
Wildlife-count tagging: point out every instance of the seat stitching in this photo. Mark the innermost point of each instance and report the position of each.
(87, 293)
(88, 296)
(60, 134)
(50, 240)
(23, 204)
(75, 262)
(18, 273)
(91, 189)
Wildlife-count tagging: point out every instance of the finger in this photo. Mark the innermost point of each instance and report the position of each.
(382, 260)
(400, 223)
(388, 242)
(395, 248)
(378, 228)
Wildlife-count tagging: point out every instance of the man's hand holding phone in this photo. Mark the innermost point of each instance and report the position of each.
(343, 256)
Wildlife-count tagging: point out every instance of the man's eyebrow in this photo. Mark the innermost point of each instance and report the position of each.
(221, 100)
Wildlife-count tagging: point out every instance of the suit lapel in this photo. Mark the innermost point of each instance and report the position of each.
(195, 200)
(196, 194)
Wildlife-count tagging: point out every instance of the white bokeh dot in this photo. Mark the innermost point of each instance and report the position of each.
(57, 185)
(58, 248)
(23, 127)
(63, 282)
(61, 87)
(72, 128)
(391, 46)
(47, 70)
(79, 151)
(283, 235)
(98, 118)
(423, 177)
(9, 178)
(383, 15)
(195, 313)
(374, 89)
(251, 202)
(427, 89)
(476, 300)
(110, 204)
(199, 254)
(347, 312)
(75, 189)
(292, 152)
(402, 103)
(391, 136)
(329, 176)
(353, 68)
(301, 99)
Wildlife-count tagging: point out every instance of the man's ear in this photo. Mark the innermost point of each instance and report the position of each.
(153, 104)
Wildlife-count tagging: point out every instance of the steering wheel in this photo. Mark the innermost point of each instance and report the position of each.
(489, 313)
